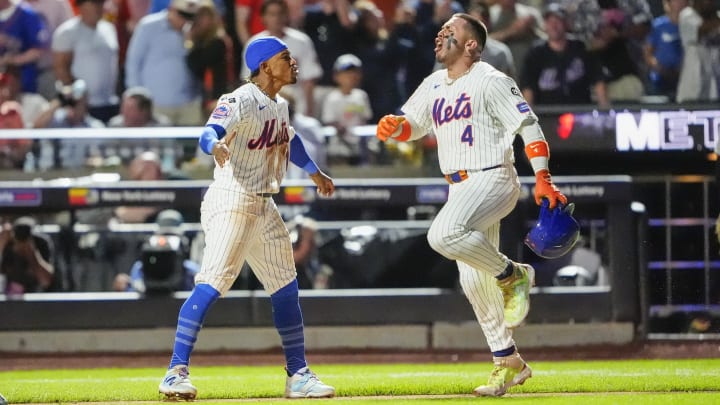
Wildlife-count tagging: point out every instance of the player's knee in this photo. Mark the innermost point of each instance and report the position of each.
(447, 240)
(438, 240)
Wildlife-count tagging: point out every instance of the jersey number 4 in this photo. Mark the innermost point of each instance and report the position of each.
(467, 136)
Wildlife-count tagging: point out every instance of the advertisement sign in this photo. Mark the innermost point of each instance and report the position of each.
(633, 131)
(25, 197)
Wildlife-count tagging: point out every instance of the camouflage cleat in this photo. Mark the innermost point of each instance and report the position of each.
(177, 385)
(508, 372)
(516, 293)
(305, 384)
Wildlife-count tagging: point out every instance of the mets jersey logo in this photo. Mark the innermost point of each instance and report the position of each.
(266, 140)
(221, 111)
(443, 114)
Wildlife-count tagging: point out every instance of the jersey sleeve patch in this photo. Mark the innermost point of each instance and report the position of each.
(222, 110)
(523, 107)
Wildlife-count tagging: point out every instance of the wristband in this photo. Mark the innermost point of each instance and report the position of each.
(537, 149)
(405, 131)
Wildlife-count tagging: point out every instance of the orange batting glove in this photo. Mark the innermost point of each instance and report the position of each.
(389, 124)
(544, 188)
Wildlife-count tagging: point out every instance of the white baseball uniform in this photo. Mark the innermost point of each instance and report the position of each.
(239, 217)
(475, 119)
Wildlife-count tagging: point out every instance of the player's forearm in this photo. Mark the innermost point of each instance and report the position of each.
(299, 156)
(210, 136)
(415, 131)
(536, 148)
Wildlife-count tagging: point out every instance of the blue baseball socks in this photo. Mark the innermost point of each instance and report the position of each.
(505, 352)
(289, 323)
(190, 320)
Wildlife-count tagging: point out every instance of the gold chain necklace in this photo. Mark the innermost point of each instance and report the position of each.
(450, 81)
(261, 90)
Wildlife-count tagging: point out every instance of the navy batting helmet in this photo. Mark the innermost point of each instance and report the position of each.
(555, 232)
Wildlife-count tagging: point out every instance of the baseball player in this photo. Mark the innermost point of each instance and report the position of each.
(251, 140)
(475, 111)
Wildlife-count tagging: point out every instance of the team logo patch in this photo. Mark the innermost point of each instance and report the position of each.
(515, 91)
(523, 107)
(221, 111)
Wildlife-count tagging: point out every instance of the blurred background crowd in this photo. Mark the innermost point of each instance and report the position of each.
(135, 63)
(162, 63)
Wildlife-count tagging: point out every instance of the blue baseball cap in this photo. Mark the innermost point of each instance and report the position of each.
(262, 49)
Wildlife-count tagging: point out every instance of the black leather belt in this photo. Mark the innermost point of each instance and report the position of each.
(462, 175)
(264, 195)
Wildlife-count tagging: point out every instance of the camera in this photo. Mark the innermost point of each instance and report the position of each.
(66, 101)
(162, 259)
(22, 228)
(22, 232)
(70, 94)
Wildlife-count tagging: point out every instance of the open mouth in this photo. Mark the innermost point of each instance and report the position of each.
(438, 44)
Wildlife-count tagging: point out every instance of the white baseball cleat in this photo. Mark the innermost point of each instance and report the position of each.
(305, 384)
(508, 372)
(516, 294)
(177, 385)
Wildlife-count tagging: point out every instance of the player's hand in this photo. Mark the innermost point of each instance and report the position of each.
(544, 188)
(325, 185)
(221, 153)
(388, 126)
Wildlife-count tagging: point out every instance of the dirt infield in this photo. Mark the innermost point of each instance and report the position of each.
(648, 350)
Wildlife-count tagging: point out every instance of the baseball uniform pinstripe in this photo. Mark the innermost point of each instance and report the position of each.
(475, 119)
(241, 222)
(251, 141)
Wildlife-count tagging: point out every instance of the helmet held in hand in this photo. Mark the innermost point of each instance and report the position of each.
(555, 233)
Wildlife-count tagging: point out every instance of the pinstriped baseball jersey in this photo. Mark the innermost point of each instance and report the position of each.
(475, 117)
(239, 224)
(258, 133)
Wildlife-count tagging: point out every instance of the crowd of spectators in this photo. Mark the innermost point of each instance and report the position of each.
(182, 54)
(157, 63)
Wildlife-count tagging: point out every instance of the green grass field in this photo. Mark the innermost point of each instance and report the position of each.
(572, 382)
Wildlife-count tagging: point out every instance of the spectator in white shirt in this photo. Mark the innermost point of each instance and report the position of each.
(86, 47)
(275, 16)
